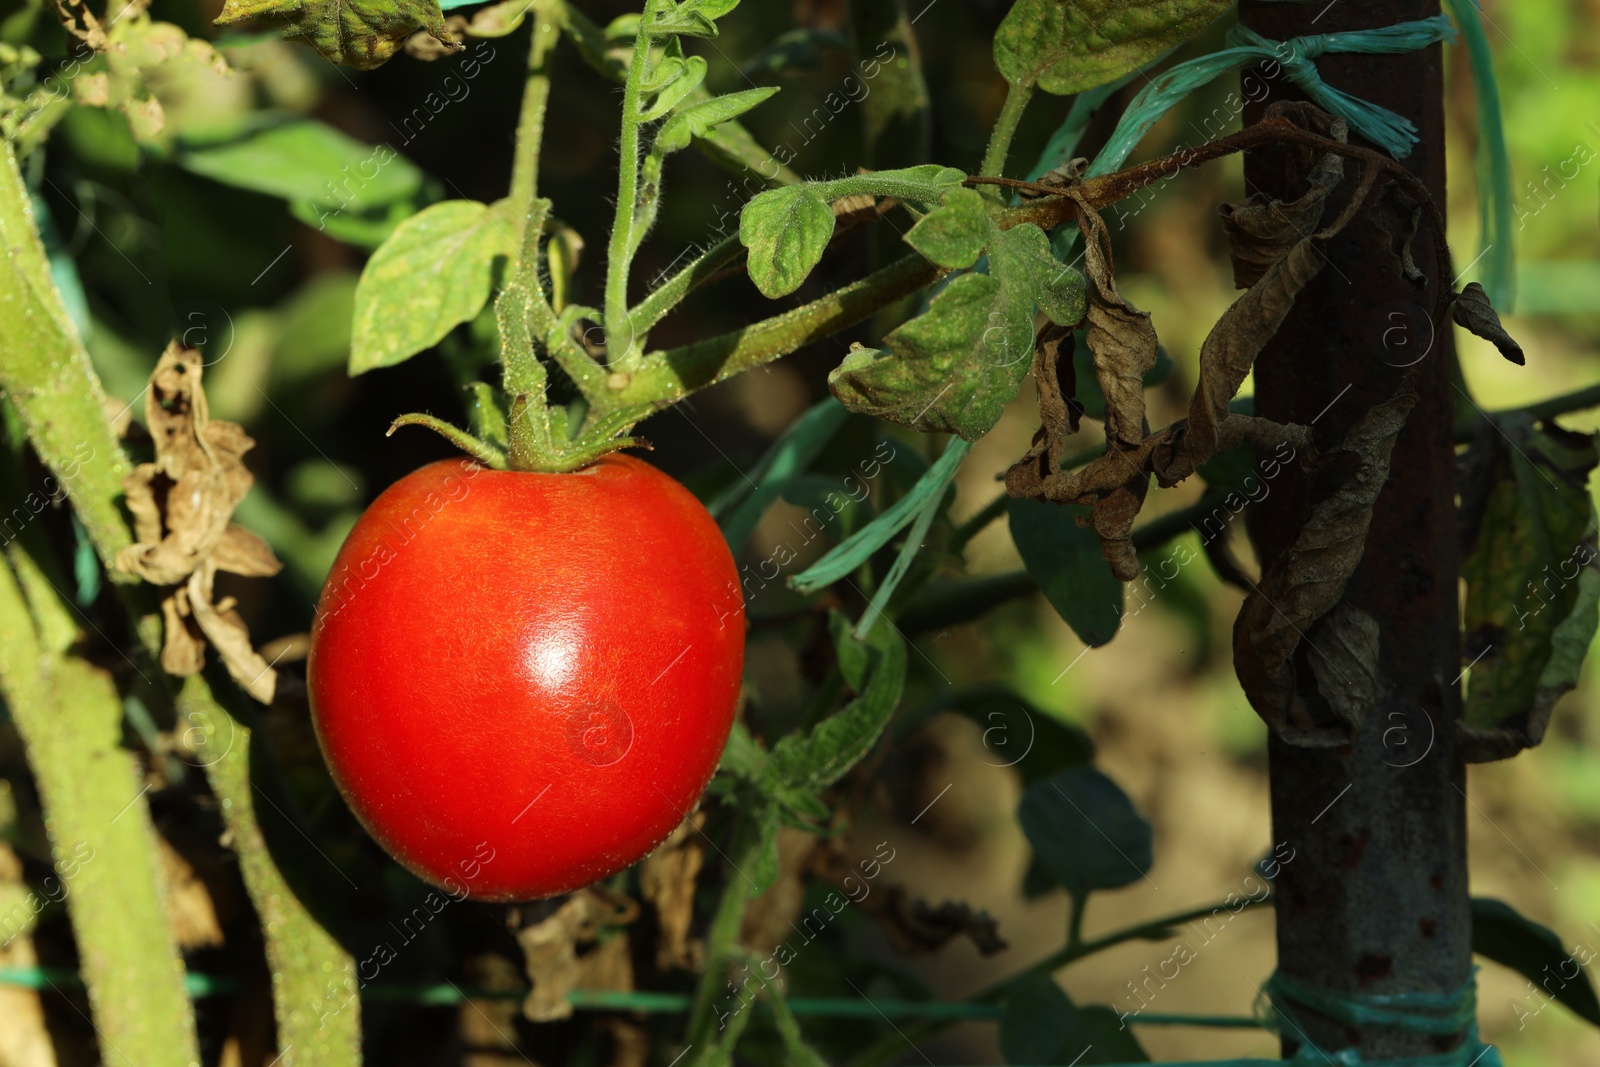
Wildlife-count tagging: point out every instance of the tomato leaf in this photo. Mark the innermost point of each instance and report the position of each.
(433, 273)
(700, 119)
(1085, 831)
(951, 369)
(1066, 48)
(856, 549)
(1065, 561)
(1058, 289)
(1040, 1024)
(876, 670)
(1531, 584)
(357, 33)
(1503, 934)
(1019, 735)
(786, 231)
(953, 235)
(787, 459)
(306, 161)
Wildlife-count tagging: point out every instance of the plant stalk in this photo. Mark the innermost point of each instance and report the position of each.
(620, 352)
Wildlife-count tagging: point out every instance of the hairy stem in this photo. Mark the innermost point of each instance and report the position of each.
(653, 308)
(314, 987)
(1005, 128)
(530, 124)
(619, 254)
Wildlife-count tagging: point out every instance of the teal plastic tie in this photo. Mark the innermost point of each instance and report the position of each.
(1393, 133)
(1495, 245)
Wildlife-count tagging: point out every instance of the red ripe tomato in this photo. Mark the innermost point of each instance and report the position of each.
(522, 682)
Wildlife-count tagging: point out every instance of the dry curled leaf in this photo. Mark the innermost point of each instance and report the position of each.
(1304, 584)
(182, 505)
(1119, 337)
(666, 882)
(564, 951)
(1471, 308)
(1055, 380)
(1398, 217)
(1262, 230)
(914, 925)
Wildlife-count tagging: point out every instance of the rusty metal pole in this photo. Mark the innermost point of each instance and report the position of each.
(1375, 900)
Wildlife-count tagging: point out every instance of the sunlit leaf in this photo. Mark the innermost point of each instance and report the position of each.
(357, 33)
(786, 231)
(432, 274)
(1068, 47)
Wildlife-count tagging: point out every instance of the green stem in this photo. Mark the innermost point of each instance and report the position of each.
(708, 1034)
(1075, 921)
(892, 1046)
(1566, 403)
(102, 840)
(1005, 128)
(672, 375)
(530, 124)
(481, 451)
(314, 986)
(979, 522)
(619, 254)
(653, 308)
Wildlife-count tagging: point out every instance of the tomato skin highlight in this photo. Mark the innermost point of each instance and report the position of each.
(522, 682)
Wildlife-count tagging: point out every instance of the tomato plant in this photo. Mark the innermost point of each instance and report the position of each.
(785, 744)
(540, 667)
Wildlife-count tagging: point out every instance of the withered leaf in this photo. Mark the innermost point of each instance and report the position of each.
(1230, 349)
(1398, 217)
(1261, 230)
(551, 957)
(1471, 308)
(1345, 664)
(914, 925)
(1119, 335)
(182, 505)
(1055, 380)
(357, 33)
(666, 881)
(1307, 580)
(1529, 567)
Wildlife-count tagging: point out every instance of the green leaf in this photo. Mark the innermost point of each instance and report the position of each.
(876, 670)
(690, 73)
(786, 231)
(743, 757)
(1085, 831)
(953, 235)
(1068, 47)
(1065, 562)
(952, 369)
(1502, 934)
(1058, 289)
(788, 458)
(432, 274)
(1018, 734)
(856, 549)
(1530, 605)
(357, 33)
(1039, 1024)
(700, 119)
(303, 160)
(803, 49)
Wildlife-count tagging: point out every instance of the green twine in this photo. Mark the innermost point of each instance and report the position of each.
(1494, 163)
(1393, 133)
(1411, 1013)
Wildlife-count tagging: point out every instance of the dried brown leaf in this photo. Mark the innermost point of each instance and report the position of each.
(1056, 381)
(914, 925)
(1398, 217)
(666, 882)
(1345, 663)
(1261, 230)
(1471, 308)
(1119, 336)
(1306, 581)
(551, 956)
(182, 505)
